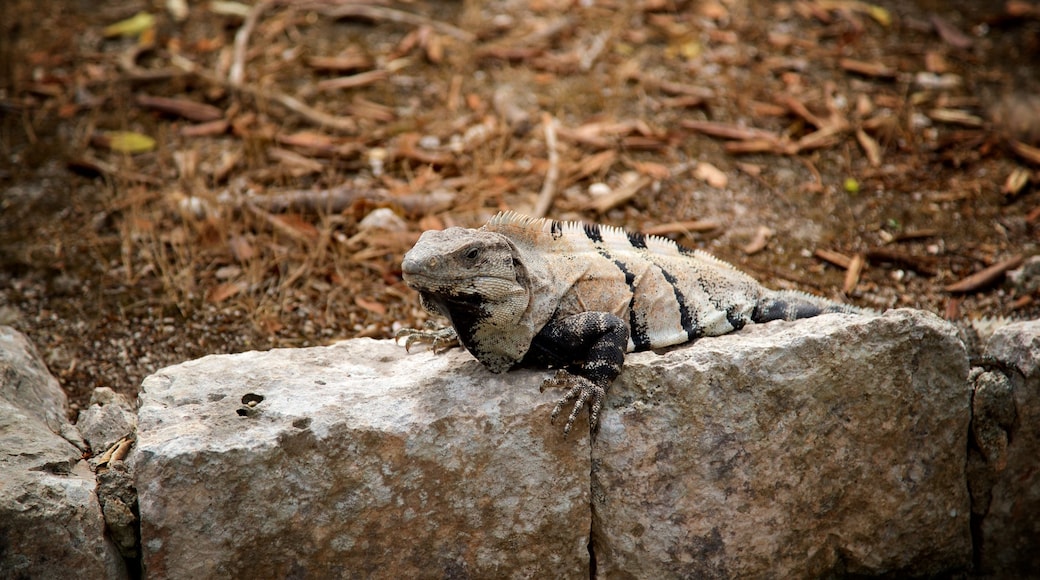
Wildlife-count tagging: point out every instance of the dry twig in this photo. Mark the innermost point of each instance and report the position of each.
(390, 14)
(545, 197)
(238, 62)
(985, 277)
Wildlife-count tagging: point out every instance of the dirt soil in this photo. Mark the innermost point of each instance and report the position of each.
(180, 179)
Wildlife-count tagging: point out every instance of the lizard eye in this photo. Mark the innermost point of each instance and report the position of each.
(472, 254)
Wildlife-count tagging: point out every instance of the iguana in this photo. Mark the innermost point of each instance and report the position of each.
(576, 296)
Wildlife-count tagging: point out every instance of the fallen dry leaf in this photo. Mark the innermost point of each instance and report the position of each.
(136, 25)
(222, 292)
(124, 141)
(373, 306)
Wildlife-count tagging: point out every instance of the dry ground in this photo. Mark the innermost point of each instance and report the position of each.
(204, 177)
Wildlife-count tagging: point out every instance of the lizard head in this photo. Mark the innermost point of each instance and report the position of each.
(477, 279)
(463, 264)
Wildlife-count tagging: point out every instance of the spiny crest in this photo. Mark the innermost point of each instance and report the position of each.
(543, 232)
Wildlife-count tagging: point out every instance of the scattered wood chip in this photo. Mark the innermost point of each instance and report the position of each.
(190, 110)
(321, 145)
(727, 130)
(916, 235)
(222, 292)
(299, 164)
(711, 175)
(621, 194)
(291, 225)
(241, 248)
(1015, 182)
(752, 169)
(759, 242)
(210, 129)
(852, 273)
(341, 63)
(950, 34)
(600, 162)
(366, 109)
(956, 117)
(837, 258)
(879, 14)
(1022, 301)
(1027, 152)
(870, 147)
(407, 147)
(985, 277)
(649, 168)
(373, 306)
(372, 12)
(352, 81)
(926, 265)
(869, 69)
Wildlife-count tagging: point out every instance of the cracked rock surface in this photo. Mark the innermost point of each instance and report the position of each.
(832, 446)
(50, 518)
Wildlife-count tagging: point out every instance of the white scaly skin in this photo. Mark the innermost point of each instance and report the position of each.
(577, 296)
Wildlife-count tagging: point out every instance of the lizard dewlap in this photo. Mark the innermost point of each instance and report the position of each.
(579, 296)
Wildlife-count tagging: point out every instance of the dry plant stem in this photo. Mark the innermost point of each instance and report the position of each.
(985, 277)
(683, 227)
(337, 199)
(353, 81)
(545, 197)
(836, 258)
(620, 195)
(390, 14)
(308, 113)
(238, 62)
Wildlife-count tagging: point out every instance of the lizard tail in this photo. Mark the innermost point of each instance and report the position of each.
(792, 305)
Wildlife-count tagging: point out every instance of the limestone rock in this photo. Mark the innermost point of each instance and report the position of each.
(26, 382)
(109, 417)
(356, 460)
(828, 446)
(1008, 481)
(50, 519)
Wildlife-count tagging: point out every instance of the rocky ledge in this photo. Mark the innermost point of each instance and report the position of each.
(833, 446)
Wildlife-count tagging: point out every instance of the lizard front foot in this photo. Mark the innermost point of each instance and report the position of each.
(582, 391)
(439, 340)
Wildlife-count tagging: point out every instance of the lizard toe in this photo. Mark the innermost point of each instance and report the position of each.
(582, 391)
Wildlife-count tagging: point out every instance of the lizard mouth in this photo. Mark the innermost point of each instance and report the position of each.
(428, 283)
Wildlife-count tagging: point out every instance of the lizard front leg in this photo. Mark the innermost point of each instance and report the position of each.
(592, 346)
(439, 339)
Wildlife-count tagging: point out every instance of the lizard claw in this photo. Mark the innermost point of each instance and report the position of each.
(439, 340)
(582, 391)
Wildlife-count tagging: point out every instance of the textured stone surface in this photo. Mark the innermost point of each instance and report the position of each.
(356, 460)
(109, 417)
(26, 382)
(828, 446)
(1006, 481)
(50, 520)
